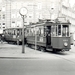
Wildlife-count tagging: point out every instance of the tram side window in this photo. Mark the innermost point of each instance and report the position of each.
(45, 28)
(42, 31)
(59, 29)
(18, 32)
(27, 32)
(21, 31)
(65, 30)
(38, 31)
(24, 31)
(10, 32)
(30, 33)
(13, 32)
(54, 30)
(6, 31)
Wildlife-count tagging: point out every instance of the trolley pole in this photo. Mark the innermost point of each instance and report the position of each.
(23, 12)
(23, 51)
(35, 39)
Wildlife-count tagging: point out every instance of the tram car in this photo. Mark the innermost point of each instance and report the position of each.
(52, 36)
(13, 35)
(72, 38)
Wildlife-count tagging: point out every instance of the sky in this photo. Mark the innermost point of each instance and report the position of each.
(0, 0)
(72, 2)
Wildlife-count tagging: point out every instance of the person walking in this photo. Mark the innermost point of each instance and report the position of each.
(2, 38)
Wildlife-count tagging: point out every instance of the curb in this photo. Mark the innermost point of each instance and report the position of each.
(20, 58)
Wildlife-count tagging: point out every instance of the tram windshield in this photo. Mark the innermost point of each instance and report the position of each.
(60, 30)
(56, 30)
(65, 30)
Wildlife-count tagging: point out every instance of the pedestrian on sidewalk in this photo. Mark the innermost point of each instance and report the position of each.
(2, 38)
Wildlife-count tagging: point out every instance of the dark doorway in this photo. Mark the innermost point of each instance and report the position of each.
(48, 35)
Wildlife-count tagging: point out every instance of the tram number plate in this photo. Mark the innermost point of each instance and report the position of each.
(41, 39)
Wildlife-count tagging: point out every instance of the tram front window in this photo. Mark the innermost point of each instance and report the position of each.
(65, 30)
(59, 30)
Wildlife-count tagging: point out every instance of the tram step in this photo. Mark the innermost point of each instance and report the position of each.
(48, 49)
(49, 46)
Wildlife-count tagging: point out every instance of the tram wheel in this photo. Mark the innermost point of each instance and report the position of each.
(43, 49)
(8, 42)
(38, 48)
(32, 46)
(27, 45)
(54, 51)
(18, 43)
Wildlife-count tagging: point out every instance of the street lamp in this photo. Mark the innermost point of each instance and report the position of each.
(23, 12)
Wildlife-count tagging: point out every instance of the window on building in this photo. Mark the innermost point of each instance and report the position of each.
(0, 16)
(3, 27)
(3, 16)
(13, 21)
(3, 8)
(3, 23)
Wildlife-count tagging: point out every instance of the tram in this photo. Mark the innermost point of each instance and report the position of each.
(13, 35)
(48, 35)
(52, 36)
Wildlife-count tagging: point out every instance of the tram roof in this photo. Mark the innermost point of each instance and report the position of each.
(49, 24)
(13, 28)
(46, 23)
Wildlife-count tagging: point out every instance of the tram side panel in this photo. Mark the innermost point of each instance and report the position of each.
(60, 43)
(39, 41)
(14, 35)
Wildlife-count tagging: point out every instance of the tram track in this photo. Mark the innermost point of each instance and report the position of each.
(72, 52)
(66, 59)
(64, 56)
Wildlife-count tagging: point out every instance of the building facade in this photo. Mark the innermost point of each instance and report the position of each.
(2, 17)
(37, 9)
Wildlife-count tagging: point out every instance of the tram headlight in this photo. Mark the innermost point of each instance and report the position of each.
(65, 44)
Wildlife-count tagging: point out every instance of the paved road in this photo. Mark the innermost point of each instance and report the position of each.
(47, 63)
(36, 67)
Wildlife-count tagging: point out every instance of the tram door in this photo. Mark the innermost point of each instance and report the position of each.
(48, 35)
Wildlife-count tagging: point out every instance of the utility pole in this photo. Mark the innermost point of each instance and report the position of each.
(23, 12)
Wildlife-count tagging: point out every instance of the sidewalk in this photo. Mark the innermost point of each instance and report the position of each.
(12, 51)
(15, 51)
